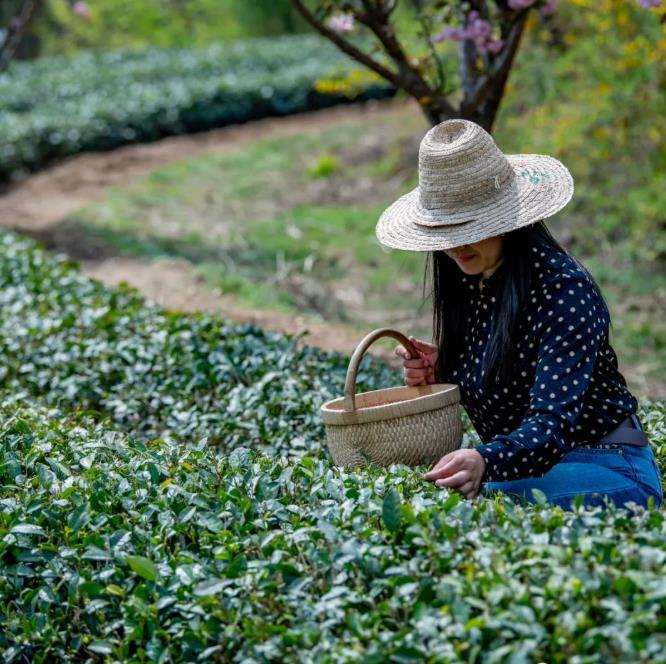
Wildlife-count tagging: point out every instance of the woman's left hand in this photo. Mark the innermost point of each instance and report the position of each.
(460, 469)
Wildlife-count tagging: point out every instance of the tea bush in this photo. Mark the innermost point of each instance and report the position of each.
(165, 496)
(61, 105)
(76, 344)
(149, 550)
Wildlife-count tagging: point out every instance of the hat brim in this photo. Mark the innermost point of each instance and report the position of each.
(540, 187)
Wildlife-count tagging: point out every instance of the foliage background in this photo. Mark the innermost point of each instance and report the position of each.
(588, 87)
(166, 23)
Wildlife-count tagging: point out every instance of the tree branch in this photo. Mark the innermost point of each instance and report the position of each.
(499, 68)
(466, 56)
(468, 53)
(347, 47)
(427, 33)
(410, 77)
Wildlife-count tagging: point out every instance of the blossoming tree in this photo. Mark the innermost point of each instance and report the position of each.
(487, 33)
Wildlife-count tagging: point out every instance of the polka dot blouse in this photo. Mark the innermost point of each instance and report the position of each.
(565, 388)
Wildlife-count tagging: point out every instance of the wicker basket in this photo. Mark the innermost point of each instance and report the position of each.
(406, 425)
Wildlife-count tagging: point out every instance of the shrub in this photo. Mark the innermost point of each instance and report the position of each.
(148, 550)
(74, 343)
(62, 105)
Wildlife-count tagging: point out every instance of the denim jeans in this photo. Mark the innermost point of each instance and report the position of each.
(623, 473)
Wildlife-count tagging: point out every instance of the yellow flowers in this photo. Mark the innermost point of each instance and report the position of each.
(632, 47)
(569, 38)
(623, 19)
(352, 84)
(600, 132)
(329, 86)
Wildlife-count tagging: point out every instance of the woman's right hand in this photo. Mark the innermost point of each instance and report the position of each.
(419, 370)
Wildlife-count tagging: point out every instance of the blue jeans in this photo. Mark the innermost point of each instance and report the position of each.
(622, 473)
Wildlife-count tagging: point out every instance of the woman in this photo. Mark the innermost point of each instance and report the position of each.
(520, 326)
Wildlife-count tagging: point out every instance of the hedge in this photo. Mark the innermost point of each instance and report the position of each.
(99, 100)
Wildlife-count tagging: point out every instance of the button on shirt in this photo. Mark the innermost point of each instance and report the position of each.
(564, 389)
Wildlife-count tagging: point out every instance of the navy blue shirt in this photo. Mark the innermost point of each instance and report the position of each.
(564, 389)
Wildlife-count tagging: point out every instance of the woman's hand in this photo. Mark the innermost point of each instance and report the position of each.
(460, 469)
(419, 370)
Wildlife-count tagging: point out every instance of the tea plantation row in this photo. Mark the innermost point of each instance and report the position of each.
(166, 497)
(58, 106)
(155, 551)
(76, 344)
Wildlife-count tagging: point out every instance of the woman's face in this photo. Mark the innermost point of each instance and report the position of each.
(477, 257)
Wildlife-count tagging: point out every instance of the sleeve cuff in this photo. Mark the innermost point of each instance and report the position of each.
(491, 454)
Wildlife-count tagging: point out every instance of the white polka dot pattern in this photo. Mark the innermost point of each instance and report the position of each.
(565, 387)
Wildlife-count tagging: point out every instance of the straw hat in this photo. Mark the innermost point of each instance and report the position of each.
(469, 190)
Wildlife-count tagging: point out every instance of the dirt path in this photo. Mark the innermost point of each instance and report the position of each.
(43, 201)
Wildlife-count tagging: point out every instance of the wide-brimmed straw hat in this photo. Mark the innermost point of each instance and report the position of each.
(469, 190)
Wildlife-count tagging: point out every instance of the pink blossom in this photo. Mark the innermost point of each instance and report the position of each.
(457, 34)
(81, 9)
(520, 4)
(494, 45)
(341, 22)
(650, 4)
(549, 8)
(477, 29)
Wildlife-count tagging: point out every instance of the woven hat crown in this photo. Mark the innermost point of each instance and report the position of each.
(469, 190)
(460, 166)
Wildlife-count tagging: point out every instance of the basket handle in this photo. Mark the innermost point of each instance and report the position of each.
(355, 362)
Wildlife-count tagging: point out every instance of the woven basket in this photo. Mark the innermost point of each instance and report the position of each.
(405, 425)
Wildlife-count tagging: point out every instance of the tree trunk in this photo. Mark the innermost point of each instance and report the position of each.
(485, 116)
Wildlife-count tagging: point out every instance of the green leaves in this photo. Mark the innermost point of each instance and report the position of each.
(210, 587)
(79, 517)
(200, 559)
(27, 529)
(101, 647)
(138, 515)
(143, 567)
(84, 358)
(391, 510)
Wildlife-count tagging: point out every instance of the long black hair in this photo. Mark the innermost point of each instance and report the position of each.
(450, 299)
